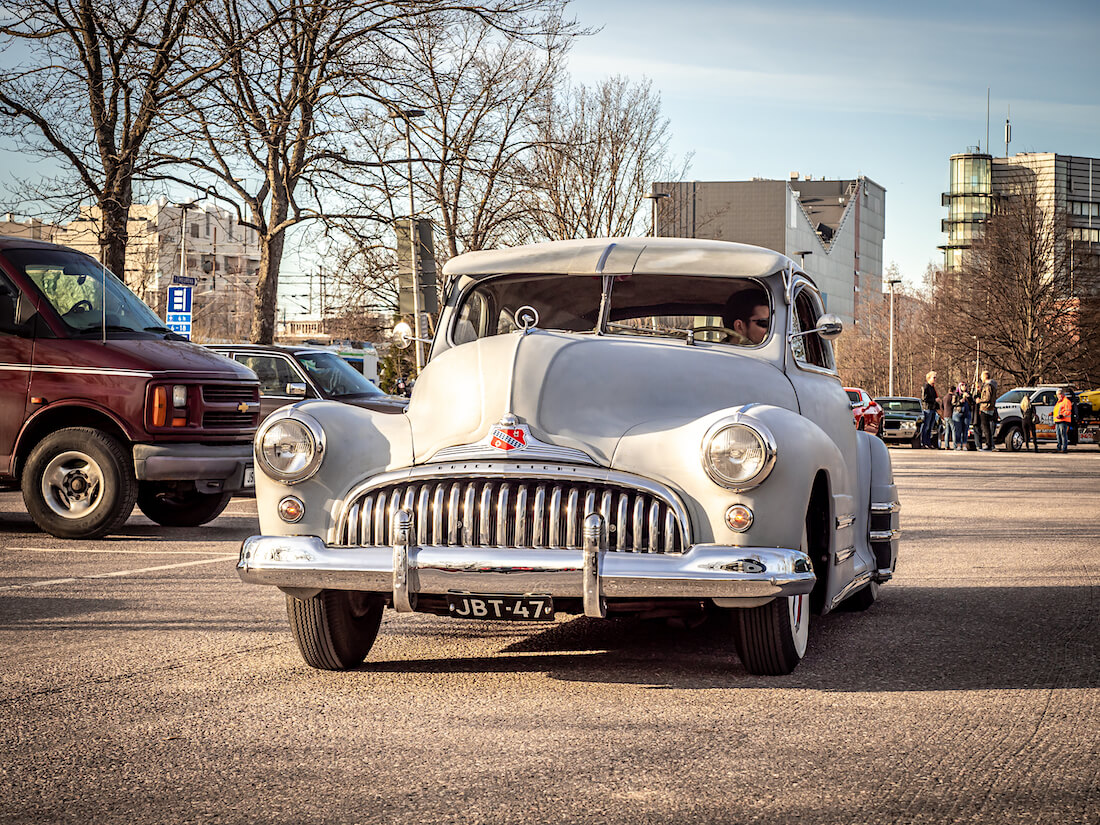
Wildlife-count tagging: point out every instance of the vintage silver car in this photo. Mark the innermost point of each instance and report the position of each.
(643, 426)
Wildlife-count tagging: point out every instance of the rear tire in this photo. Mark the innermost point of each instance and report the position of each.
(79, 483)
(1014, 439)
(335, 629)
(173, 506)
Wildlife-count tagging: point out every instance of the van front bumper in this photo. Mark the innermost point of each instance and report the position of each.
(213, 467)
(305, 564)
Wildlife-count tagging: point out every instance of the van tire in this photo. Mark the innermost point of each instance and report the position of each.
(171, 506)
(78, 483)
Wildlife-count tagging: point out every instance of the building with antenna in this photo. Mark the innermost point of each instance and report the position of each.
(833, 228)
(1067, 187)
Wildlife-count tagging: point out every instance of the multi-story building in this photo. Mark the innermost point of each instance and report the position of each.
(1067, 188)
(834, 228)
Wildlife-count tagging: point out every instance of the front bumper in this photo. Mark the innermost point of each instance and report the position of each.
(905, 431)
(709, 571)
(213, 467)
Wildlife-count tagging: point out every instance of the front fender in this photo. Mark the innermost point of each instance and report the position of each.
(358, 443)
(671, 452)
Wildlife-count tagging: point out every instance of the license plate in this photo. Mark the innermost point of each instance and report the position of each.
(249, 476)
(501, 608)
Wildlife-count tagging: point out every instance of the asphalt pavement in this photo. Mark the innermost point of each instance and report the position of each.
(141, 682)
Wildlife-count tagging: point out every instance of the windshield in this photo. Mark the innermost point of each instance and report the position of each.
(1014, 396)
(73, 285)
(899, 404)
(723, 310)
(336, 376)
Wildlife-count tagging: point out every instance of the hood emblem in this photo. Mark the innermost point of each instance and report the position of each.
(509, 435)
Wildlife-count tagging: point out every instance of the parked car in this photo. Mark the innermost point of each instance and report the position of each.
(901, 420)
(867, 411)
(1085, 430)
(101, 405)
(289, 374)
(536, 471)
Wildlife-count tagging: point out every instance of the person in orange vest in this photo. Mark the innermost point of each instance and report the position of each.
(1063, 414)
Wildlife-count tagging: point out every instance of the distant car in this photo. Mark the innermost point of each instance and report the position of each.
(868, 414)
(1085, 429)
(901, 419)
(294, 373)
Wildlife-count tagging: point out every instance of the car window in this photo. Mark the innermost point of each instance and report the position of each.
(1045, 397)
(274, 372)
(853, 396)
(16, 310)
(1012, 396)
(811, 348)
(335, 376)
(899, 404)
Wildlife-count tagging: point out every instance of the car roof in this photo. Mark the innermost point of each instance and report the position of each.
(596, 256)
(20, 242)
(289, 349)
(897, 398)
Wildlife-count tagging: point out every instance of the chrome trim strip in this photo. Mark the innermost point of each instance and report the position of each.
(502, 515)
(468, 514)
(556, 473)
(84, 370)
(670, 531)
(404, 601)
(454, 514)
(846, 520)
(621, 516)
(572, 517)
(885, 506)
(845, 554)
(884, 535)
(437, 514)
(538, 513)
(703, 571)
(639, 523)
(423, 518)
(485, 514)
(521, 516)
(852, 586)
(595, 530)
(654, 526)
(554, 527)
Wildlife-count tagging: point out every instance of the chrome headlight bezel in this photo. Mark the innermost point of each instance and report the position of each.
(313, 434)
(765, 441)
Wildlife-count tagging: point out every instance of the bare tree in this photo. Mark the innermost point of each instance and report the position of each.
(95, 78)
(1013, 291)
(598, 150)
(273, 123)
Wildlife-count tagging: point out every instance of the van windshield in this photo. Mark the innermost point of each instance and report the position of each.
(73, 284)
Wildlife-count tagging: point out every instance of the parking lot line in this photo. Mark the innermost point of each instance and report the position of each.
(119, 573)
(110, 551)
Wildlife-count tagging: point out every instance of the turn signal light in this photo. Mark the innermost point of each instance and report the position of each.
(739, 518)
(160, 406)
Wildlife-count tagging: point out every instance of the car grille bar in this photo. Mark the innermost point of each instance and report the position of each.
(515, 513)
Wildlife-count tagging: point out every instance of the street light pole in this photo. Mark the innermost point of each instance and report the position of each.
(977, 358)
(891, 284)
(653, 197)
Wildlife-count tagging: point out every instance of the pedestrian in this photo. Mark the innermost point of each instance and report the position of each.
(947, 402)
(960, 414)
(1063, 415)
(987, 410)
(930, 402)
(1027, 419)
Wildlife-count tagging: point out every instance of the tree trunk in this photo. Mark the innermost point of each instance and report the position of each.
(265, 307)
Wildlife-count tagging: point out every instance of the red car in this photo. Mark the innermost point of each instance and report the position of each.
(867, 412)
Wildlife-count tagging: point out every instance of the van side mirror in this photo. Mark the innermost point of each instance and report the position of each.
(296, 389)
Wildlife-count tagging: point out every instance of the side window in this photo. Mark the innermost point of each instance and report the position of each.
(809, 349)
(471, 320)
(1046, 399)
(16, 311)
(274, 372)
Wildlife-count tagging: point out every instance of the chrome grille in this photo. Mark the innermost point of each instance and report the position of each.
(513, 512)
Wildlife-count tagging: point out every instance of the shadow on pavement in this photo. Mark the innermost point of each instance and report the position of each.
(913, 639)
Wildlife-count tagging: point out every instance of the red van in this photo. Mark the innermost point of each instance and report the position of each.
(102, 406)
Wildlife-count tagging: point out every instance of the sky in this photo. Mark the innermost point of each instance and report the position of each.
(844, 88)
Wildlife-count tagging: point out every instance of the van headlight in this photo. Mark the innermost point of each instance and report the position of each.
(290, 449)
(738, 456)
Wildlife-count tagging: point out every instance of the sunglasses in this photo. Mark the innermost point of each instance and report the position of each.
(763, 323)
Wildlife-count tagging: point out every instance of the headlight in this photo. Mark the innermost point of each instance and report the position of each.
(738, 456)
(290, 449)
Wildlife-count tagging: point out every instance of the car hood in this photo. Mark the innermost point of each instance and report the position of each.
(578, 392)
(183, 357)
(393, 404)
(902, 415)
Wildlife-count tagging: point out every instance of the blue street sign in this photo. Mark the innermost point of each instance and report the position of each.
(179, 299)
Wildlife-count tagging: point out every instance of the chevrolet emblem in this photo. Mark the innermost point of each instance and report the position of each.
(242, 407)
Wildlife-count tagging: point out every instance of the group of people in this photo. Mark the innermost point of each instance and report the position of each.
(961, 407)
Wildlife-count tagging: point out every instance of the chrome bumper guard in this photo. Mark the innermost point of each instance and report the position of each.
(592, 573)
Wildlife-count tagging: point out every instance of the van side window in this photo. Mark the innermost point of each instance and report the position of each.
(17, 313)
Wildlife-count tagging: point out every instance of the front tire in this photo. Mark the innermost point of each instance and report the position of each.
(173, 506)
(79, 483)
(771, 639)
(1014, 439)
(335, 629)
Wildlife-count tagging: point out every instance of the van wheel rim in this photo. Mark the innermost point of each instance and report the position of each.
(72, 484)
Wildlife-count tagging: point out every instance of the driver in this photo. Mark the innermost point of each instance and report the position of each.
(748, 314)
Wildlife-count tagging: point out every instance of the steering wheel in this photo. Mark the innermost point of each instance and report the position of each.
(80, 306)
(724, 330)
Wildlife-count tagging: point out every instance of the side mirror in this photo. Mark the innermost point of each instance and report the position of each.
(402, 335)
(296, 389)
(829, 326)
